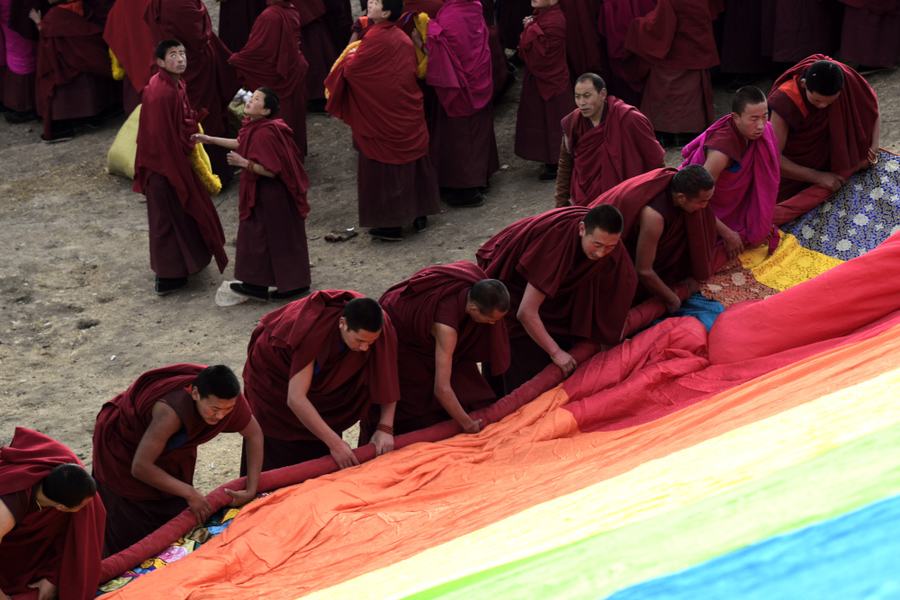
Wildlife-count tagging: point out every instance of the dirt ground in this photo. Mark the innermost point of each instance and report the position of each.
(78, 317)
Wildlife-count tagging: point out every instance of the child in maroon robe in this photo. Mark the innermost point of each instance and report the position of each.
(271, 242)
(272, 59)
(313, 369)
(145, 447)
(605, 142)
(448, 319)
(827, 121)
(669, 229)
(51, 522)
(546, 87)
(569, 279)
(375, 91)
(211, 82)
(185, 231)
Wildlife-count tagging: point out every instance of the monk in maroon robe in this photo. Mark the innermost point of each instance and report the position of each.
(74, 75)
(869, 32)
(313, 369)
(546, 87)
(448, 319)
(272, 59)
(271, 242)
(569, 279)
(461, 124)
(740, 151)
(145, 447)
(627, 76)
(18, 58)
(676, 42)
(319, 48)
(375, 91)
(51, 522)
(130, 39)
(669, 230)
(509, 21)
(185, 231)
(236, 19)
(585, 49)
(826, 118)
(605, 142)
(793, 29)
(211, 82)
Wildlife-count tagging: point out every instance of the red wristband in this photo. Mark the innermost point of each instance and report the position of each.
(385, 428)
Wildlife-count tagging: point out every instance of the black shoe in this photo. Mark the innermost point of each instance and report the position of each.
(248, 290)
(466, 198)
(665, 139)
(289, 294)
(16, 118)
(388, 234)
(166, 286)
(420, 224)
(97, 121)
(59, 133)
(549, 173)
(316, 105)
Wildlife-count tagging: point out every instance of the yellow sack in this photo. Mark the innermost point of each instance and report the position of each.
(203, 168)
(118, 72)
(339, 60)
(120, 159)
(421, 21)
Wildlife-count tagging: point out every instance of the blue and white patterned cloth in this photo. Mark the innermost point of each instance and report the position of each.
(861, 215)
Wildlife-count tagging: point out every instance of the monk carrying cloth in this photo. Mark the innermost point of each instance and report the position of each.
(51, 522)
(271, 242)
(826, 118)
(145, 447)
(740, 151)
(313, 369)
(569, 279)
(448, 319)
(605, 141)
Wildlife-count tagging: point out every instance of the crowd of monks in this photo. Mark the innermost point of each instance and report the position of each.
(417, 92)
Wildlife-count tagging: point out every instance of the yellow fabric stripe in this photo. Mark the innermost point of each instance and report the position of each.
(729, 460)
(791, 264)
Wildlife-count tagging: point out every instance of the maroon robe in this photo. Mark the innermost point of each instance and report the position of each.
(585, 49)
(163, 145)
(620, 147)
(62, 547)
(869, 34)
(344, 384)
(17, 89)
(71, 50)
(834, 139)
(121, 425)
(626, 73)
(438, 295)
(499, 66)
(797, 28)
(129, 37)
(271, 243)
(509, 21)
(211, 82)
(319, 47)
(585, 299)
(236, 19)
(676, 41)
(742, 31)
(546, 87)
(272, 59)
(687, 245)
(376, 92)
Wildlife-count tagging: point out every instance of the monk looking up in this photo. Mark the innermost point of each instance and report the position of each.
(271, 242)
(669, 229)
(605, 141)
(568, 278)
(145, 447)
(51, 523)
(185, 231)
(826, 118)
(740, 151)
(448, 319)
(313, 369)
(375, 91)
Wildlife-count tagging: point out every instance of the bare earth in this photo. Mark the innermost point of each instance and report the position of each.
(78, 317)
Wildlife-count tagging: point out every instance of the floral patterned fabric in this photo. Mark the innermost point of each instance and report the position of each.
(857, 218)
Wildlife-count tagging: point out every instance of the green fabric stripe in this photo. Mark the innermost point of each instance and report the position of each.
(833, 483)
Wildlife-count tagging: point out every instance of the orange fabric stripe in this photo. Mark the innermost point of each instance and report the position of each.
(332, 529)
(791, 88)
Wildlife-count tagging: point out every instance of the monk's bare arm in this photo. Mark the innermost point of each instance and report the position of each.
(530, 319)
(716, 162)
(253, 439)
(164, 425)
(651, 229)
(299, 403)
(445, 338)
(791, 170)
(229, 143)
